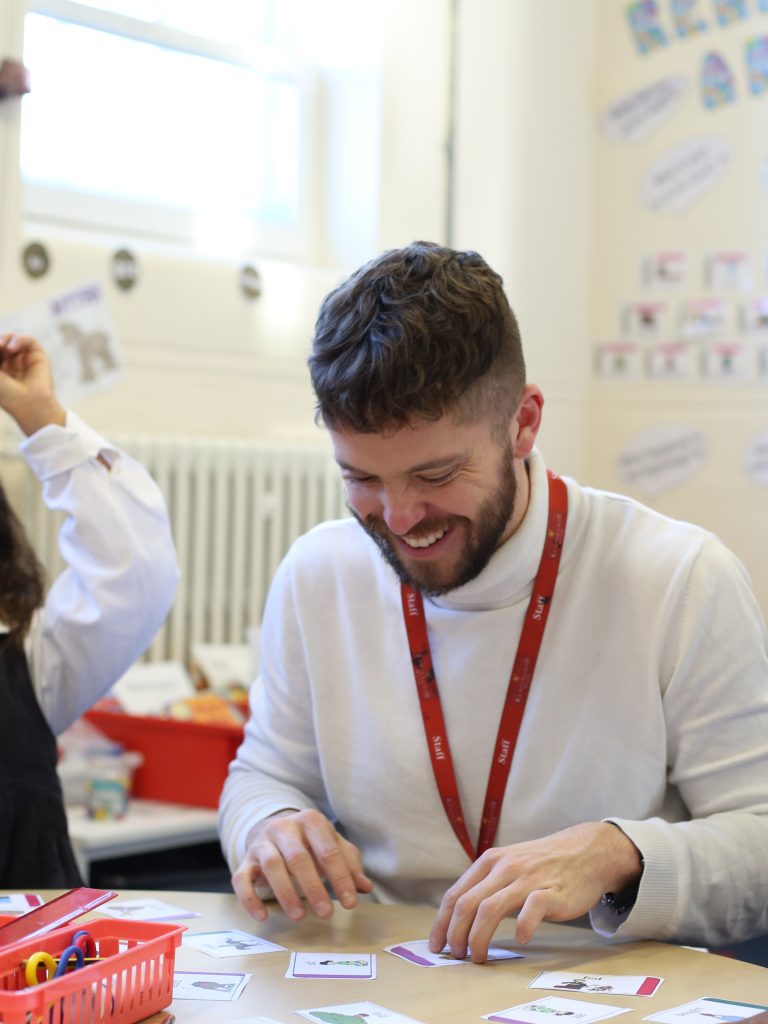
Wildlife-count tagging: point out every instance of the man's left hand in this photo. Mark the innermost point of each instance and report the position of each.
(557, 878)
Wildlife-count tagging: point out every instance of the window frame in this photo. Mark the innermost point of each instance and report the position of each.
(79, 211)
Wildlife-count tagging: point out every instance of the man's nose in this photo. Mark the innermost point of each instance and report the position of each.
(402, 510)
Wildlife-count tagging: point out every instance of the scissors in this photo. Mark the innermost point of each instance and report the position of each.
(82, 948)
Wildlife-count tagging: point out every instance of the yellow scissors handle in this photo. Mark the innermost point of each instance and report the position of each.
(35, 961)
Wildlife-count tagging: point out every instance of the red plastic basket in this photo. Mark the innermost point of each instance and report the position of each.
(133, 981)
(184, 762)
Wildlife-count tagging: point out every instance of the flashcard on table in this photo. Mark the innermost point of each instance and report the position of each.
(254, 1020)
(332, 965)
(706, 1009)
(353, 1013)
(19, 902)
(146, 910)
(617, 984)
(207, 985)
(533, 1013)
(418, 953)
(229, 943)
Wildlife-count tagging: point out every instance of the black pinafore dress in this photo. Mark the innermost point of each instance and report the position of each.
(35, 851)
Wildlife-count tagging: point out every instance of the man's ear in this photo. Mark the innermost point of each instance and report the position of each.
(526, 421)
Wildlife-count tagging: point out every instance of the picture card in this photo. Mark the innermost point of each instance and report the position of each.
(554, 1006)
(77, 331)
(254, 1020)
(332, 965)
(706, 1009)
(418, 953)
(229, 943)
(19, 902)
(147, 909)
(354, 1012)
(616, 984)
(208, 985)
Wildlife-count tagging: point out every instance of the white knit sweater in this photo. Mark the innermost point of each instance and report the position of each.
(649, 707)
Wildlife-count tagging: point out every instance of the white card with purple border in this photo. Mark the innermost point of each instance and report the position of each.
(418, 953)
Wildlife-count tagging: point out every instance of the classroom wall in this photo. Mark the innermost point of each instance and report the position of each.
(478, 123)
(694, 462)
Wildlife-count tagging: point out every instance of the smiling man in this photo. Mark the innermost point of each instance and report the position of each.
(543, 700)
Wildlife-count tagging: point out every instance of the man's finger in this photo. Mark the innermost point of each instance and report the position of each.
(538, 905)
(445, 915)
(243, 881)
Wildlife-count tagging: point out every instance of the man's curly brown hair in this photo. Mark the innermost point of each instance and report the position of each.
(417, 333)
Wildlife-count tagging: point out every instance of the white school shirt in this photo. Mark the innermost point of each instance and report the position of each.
(103, 611)
(649, 708)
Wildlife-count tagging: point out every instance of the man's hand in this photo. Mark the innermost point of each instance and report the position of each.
(558, 878)
(293, 853)
(26, 384)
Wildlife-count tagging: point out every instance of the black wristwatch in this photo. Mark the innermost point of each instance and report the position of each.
(621, 902)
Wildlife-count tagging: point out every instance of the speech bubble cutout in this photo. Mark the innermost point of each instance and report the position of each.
(662, 458)
(639, 113)
(685, 174)
(756, 459)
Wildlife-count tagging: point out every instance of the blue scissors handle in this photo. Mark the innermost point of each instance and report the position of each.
(66, 956)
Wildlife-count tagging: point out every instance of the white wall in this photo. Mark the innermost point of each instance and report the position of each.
(533, 186)
(733, 216)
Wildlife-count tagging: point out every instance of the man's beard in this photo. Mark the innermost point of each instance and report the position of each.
(482, 538)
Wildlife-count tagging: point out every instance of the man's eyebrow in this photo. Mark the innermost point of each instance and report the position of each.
(423, 467)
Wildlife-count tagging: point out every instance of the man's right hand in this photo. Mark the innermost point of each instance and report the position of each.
(294, 853)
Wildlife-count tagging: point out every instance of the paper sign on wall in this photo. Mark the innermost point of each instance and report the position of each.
(754, 316)
(729, 269)
(757, 65)
(724, 361)
(619, 360)
(666, 269)
(662, 458)
(718, 86)
(701, 318)
(670, 360)
(645, 25)
(728, 11)
(636, 115)
(644, 319)
(686, 19)
(77, 332)
(756, 459)
(685, 174)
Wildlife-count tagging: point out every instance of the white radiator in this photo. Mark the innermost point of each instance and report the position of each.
(235, 508)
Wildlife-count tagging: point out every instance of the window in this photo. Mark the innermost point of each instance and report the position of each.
(167, 119)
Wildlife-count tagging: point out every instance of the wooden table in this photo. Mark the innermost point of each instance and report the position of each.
(449, 995)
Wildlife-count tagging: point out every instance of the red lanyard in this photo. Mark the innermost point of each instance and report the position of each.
(517, 691)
